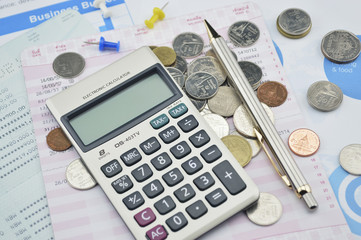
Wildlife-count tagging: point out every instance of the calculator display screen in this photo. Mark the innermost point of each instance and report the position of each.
(117, 110)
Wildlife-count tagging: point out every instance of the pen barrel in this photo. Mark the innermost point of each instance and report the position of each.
(261, 119)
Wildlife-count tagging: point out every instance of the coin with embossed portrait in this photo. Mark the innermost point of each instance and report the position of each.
(209, 65)
(177, 75)
(188, 45)
(294, 23)
(304, 142)
(201, 85)
(350, 159)
(239, 147)
(225, 102)
(243, 33)
(69, 65)
(252, 72)
(78, 176)
(341, 46)
(266, 211)
(57, 140)
(324, 96)
(272, 93)
(217, 123)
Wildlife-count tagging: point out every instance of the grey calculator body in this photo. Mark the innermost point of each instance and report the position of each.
(162, 167)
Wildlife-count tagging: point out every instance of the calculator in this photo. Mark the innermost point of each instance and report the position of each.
(160, 164)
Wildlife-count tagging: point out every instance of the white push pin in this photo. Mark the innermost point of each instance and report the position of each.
(101, 4)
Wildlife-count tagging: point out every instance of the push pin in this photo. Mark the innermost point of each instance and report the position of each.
(104, 44)
(157, 14)
(101, 4)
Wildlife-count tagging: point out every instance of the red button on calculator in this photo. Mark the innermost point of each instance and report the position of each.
(157, 233)
(144, 217)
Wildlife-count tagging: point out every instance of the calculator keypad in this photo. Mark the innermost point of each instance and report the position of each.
(188, 162)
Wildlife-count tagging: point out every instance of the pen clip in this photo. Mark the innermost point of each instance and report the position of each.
(278, 170)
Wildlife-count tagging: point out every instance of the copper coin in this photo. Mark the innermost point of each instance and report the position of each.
(57, 140)
(304, 142)
(272, 93)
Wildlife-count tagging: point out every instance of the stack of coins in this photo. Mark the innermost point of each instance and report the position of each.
(294, 23)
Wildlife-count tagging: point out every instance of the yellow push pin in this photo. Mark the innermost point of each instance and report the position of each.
(157, 14)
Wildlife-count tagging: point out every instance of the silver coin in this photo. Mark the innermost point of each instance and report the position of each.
(205, 110)
(209, 65)
(324, 96)
(252, 72)
(243, 121)
(225, 102)
(188, 45)
(181, 64)
(177, 75)
(340, 46)
(68, 65)
(210, 53)
(294, 21)
(255, 145)
(218, 124)
(350, 159)
(78, 176)
(243, 33)
(201, 85)
(266, 211)
(199, 104)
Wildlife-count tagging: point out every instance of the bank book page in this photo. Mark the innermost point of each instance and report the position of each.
(89, 215)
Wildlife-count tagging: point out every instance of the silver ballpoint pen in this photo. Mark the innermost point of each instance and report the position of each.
(291, 175)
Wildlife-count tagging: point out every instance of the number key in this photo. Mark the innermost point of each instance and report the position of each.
(161, 161)
(153, 189)
(142, 173)
(165, 205)
(173, 177)
(184, 193)
(204, 181)
(177, 222)
(180, 150)
(192, 166)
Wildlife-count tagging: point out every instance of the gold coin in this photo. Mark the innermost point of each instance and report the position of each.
(291, 35)
(166, 55)
(57, 140)
(239, 147)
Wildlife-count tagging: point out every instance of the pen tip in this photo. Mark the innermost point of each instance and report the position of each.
(211, 32)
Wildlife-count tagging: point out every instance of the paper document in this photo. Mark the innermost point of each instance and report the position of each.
(24, 211)
(88, 214)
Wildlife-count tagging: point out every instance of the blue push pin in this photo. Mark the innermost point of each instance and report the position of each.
(106, 45)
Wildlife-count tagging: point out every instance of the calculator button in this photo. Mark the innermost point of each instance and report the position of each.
(178, 110)
(204, 181)
(211, 154)
(229, 177)
(180, 150)
(216, 198)
(161, 161)
(169, 135)
(142, 173)
(145, 217)
(157, 233)
(131, 157)
(122, 184)
(188, 124)
(199, 139)
(153, 189)
(150, 146)
(159, 121)
(177, 222)
(197, 209)
(165, 205)
(185, 193)
(173, 177)
(111, 169)
(133, 200)
(192, 166)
